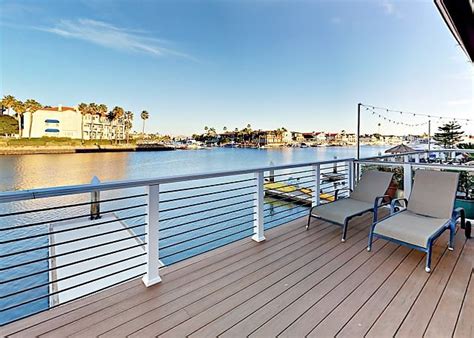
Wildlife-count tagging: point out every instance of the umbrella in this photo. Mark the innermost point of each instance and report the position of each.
(401, 148)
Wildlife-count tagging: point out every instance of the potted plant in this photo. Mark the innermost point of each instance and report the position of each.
(465, 196)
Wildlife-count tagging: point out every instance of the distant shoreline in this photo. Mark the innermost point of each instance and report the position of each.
(32, 150)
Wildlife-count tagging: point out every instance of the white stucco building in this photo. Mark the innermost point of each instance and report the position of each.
(68, 122)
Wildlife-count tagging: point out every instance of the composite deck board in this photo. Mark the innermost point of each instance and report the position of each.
(141, 306)
(153, 310)
(453, 296)
(295, 283)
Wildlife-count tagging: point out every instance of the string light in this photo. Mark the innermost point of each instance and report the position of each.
(367, 107)
(390, 120)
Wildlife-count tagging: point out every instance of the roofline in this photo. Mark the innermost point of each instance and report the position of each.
(440, 4)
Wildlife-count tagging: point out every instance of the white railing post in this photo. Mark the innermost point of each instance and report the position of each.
(407, 179)
(258, 231)
(317, 185)
(350, 174)
(417, 158)
(152, 275)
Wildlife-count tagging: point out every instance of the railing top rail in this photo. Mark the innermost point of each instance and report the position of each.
(424, 151)
(420, 165)
(11, 196)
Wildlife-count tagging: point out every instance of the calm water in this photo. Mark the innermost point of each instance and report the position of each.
(201, 231)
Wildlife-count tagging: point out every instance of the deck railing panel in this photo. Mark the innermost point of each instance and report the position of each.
(61, 243)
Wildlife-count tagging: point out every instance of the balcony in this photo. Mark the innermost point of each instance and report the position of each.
(218, 257)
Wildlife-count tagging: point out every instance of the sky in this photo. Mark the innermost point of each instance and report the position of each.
(302, 65)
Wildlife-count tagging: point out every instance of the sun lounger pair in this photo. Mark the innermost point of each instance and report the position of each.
(417, 224)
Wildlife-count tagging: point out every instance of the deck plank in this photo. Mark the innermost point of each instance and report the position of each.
(364, 318)
(451, 301)
(388, 257)
(156, 308)
(205, 310)
(465, 324)
(295, 283)
(395, 312)
(96, 312)
(314, 271)
(338, 268)
(422, 310)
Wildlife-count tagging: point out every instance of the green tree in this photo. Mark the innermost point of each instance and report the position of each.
(144, 116)
(114, 116)
(83, 108)
(8, 102)
(20, 109)
(128, 124)
(8, 125)
(32, 107)
(93, 110)
(449, 134)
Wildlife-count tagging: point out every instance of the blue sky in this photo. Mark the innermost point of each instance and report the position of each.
(299, 64)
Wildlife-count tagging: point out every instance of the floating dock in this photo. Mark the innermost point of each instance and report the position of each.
(293, 193)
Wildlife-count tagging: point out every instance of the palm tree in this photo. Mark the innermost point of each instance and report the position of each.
(83, 109)
(206, 128)
(117, 114)
(144, 115)
(8, 102)
(93, 110)
(128, 124)
(32, 106)
(102, 111)
(20, 109)
(224, 129)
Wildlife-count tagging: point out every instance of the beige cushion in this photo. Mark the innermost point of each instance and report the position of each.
(433, 193)
(410, 227)
(373, 183)
(339, 210)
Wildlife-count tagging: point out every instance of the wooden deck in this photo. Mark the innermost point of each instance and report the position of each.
(296, 283)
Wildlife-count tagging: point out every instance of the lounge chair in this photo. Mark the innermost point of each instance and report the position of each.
(369, 193)
(426, 214)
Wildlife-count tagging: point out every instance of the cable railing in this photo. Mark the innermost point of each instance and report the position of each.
(60, 244)
(63, 243)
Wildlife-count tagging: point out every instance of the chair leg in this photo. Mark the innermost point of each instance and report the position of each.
(452, 232)
(309, 221)
(344, 230)
(371, 237)
(428, 259)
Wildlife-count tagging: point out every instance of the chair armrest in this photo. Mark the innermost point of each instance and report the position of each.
(459, 213)
(466, 225)
(378, 203)
(395, 201)
(336, 192)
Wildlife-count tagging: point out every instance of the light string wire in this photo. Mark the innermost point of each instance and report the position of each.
(377, 111)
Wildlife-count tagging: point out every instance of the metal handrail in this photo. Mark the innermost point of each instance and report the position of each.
(103, 186)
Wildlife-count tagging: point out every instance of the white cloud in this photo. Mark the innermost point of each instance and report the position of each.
(110, 36)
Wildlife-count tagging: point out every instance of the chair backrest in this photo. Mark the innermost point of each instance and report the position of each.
(433, 193)
(373, 183)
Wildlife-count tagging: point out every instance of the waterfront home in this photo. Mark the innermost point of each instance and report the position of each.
(273, 138)
(297, 137)
(54, 122)
(66, 121)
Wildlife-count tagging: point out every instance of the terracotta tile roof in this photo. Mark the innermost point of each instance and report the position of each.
(57, 108)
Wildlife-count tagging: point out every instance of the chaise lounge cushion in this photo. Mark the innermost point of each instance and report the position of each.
(338, 211)
(410, 228)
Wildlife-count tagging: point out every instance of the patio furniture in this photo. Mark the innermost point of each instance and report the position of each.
(368, 194)
(426, 214)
